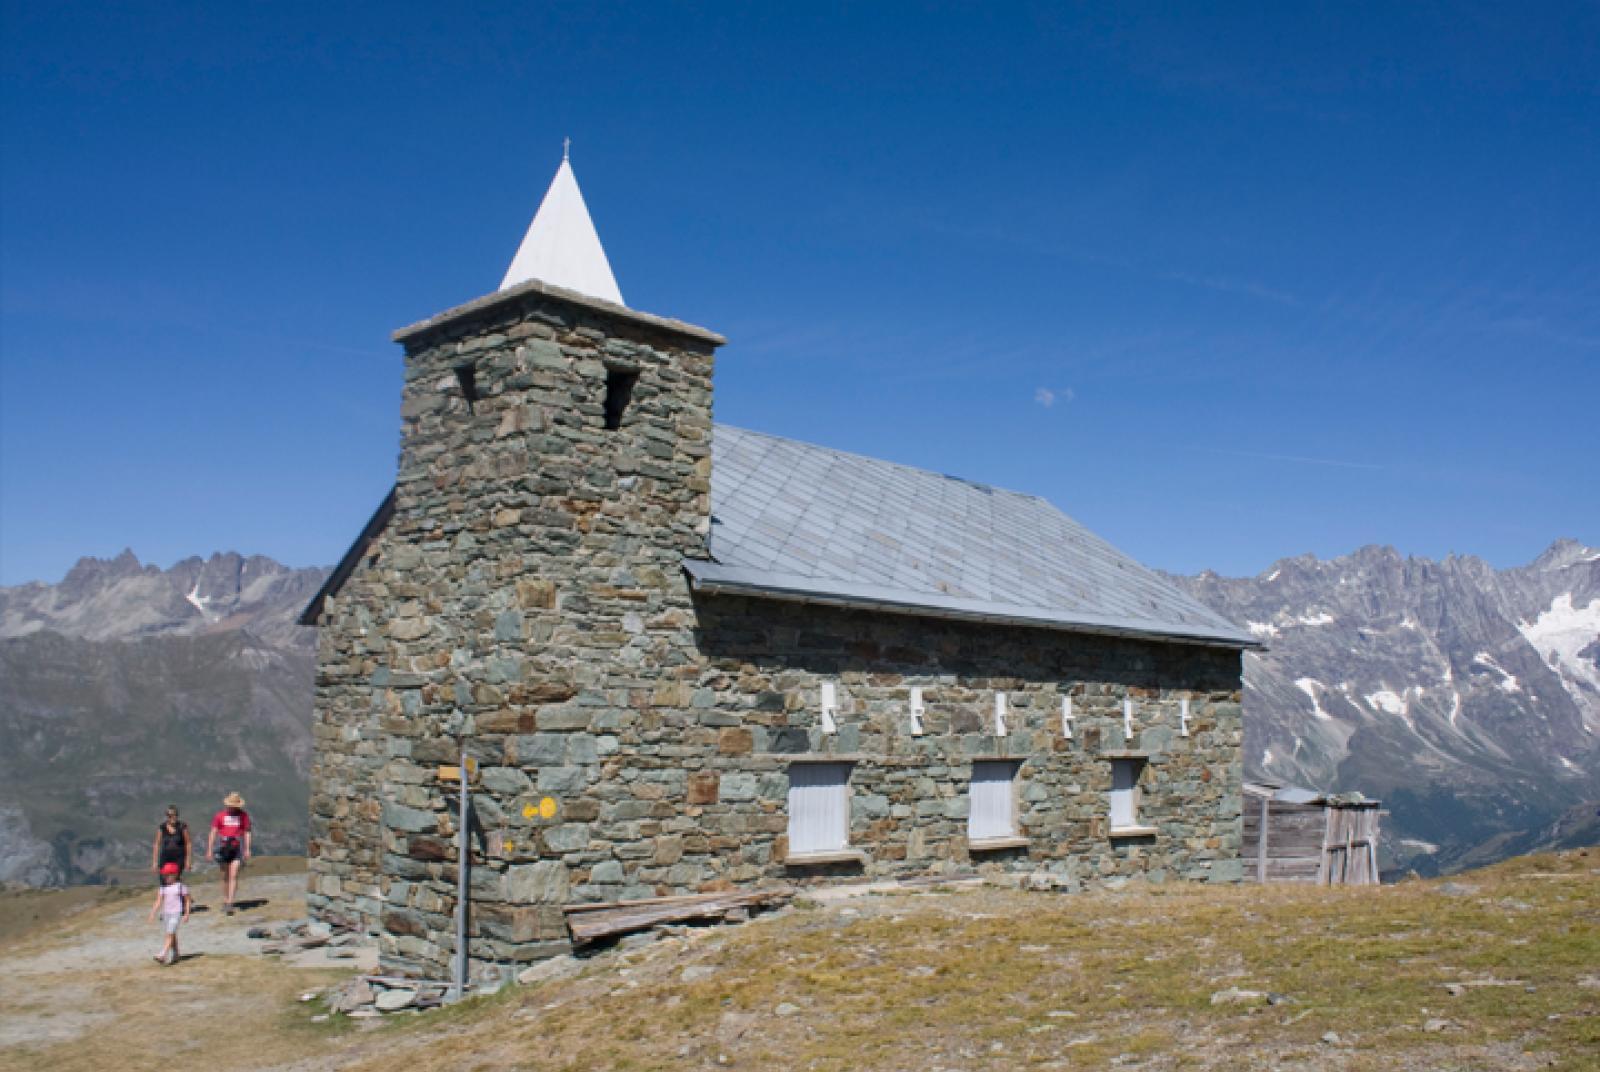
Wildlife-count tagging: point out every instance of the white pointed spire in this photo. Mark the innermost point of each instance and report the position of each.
(561, 246)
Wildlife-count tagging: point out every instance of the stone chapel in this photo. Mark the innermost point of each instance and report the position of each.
(687, 656)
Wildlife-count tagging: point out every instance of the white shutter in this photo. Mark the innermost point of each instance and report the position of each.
(819, 807)
(992, 812)
(1124, 786)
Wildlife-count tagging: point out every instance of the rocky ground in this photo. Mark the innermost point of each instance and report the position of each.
(1499, 969)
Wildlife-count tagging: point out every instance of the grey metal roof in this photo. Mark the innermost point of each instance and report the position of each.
(798, 521)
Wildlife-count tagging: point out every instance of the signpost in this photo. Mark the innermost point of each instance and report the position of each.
(458, 982)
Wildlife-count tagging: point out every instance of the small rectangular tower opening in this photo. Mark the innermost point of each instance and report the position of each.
(619, 392)
(467, 377)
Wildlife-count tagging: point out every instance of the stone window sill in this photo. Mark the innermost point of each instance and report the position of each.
(834, 856)
(1124, 753)
(1133, 831)
(995, 844)
(813, 757)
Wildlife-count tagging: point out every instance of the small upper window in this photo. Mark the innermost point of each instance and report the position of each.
(467, 377)
(619, 392)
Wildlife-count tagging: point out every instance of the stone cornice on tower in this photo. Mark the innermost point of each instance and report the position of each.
(455, 319)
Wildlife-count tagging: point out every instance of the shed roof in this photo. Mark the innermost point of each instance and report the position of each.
(1294, 794)
(798, 521)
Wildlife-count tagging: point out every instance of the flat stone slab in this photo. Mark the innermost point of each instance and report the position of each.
(395, 1000)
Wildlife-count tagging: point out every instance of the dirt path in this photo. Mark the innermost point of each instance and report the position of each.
(85, 993)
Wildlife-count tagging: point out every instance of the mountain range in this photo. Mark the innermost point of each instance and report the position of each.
(1466, 698)
(127, 687)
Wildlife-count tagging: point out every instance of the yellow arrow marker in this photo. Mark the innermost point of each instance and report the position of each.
(529, 810)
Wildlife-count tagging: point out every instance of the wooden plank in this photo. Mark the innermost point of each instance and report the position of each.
(593, 925)
(1261, 845)
(683, 898)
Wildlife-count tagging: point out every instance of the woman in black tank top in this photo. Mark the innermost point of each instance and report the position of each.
(172, 843)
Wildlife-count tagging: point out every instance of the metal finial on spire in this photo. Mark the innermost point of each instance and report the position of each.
(566, 148)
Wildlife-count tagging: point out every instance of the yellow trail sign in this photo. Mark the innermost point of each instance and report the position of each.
(452, 773)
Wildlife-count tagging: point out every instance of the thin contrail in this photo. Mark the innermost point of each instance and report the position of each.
(1299, 458)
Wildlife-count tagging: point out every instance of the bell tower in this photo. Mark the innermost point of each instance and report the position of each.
(527, 592)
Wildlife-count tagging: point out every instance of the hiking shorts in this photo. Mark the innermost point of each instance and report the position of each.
(227, 851)
(170, 921)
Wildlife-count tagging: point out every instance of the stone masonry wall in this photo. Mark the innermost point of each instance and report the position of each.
(529, 579)
(345, 842)
(528, 592)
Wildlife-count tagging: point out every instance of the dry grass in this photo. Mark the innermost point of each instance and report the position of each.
(1002, 979)
(1011, 980)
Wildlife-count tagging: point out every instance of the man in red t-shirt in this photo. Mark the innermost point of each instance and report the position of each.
(229, 845)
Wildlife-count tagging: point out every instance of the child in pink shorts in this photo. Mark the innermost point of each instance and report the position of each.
(172, 901)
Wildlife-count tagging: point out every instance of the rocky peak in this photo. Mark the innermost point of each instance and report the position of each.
(89, 574)
(1565, 553)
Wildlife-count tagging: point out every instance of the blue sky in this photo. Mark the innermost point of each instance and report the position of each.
(1226, 285)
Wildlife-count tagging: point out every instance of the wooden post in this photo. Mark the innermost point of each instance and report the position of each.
(1261, 842)
(458, 986)
(1328, 813)
(1372, 844)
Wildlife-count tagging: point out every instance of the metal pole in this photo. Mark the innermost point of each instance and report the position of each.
(463, 866)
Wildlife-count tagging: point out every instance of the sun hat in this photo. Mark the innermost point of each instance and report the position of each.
(233, 800)
(170, 869)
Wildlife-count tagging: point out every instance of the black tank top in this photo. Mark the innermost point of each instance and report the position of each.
(171, 840)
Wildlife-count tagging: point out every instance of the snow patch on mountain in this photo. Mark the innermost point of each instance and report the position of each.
(1309, 686)
(199, 602)
(1508, 681)
(1388, 701)
(1560, 635)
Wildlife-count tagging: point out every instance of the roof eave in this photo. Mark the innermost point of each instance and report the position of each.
(715, 579)
(352, 558)
(534, 288)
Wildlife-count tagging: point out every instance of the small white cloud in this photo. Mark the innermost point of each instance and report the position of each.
(1049, 396)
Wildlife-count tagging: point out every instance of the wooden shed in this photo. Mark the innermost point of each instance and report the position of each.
(1299, 835)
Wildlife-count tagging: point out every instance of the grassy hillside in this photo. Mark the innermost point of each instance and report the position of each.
(1497, 970)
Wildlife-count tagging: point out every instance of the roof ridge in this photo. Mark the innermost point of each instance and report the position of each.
(879, 461)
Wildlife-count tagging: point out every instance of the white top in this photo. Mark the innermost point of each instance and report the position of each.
(561, 247)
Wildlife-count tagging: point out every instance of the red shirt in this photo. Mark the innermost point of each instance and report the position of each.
(234, 824)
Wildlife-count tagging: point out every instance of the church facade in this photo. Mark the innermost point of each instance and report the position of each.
(690, 657)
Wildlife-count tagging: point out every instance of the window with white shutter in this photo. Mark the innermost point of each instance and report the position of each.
(992, 814)
(1125, 798)
(819, 808)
